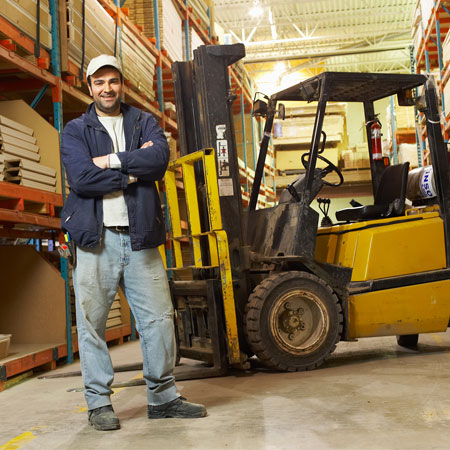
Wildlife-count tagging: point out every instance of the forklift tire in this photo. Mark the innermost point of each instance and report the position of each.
(293, 321)
(408, 340)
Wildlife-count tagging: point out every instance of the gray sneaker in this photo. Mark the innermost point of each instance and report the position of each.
(178, 408)
(103, 418)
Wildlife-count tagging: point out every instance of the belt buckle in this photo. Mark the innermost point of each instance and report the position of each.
(121, 229)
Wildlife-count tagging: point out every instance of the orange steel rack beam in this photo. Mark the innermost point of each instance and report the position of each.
(20, 39)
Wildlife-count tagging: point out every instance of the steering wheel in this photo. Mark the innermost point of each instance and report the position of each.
(328, 169)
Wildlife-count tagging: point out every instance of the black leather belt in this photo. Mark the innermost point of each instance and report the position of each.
(119, 229)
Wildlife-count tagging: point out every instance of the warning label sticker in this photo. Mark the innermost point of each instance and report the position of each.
(226, 187)
(222, 158)
(220, 131)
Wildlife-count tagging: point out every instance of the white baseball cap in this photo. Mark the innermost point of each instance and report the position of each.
(100, 61)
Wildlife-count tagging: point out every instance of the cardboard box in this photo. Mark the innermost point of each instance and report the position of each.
(291, 159)
(4, 345)
(408, 152)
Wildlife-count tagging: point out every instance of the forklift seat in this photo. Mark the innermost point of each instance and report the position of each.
(389, 199)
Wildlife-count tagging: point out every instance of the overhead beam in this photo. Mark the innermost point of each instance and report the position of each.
(313, 55)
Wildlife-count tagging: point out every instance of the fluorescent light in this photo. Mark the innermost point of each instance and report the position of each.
(256, 11)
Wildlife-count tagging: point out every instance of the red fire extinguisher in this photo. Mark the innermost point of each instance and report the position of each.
(375, 136)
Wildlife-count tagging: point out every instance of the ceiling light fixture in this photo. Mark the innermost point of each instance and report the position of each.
(256, 10)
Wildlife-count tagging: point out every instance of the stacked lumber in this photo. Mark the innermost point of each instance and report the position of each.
(99, 30)
(200, 9)
(23, 15)
(170, 24)
(141, 13)
(140, 75)
(114, 315)
(138, 63)
(19, 151)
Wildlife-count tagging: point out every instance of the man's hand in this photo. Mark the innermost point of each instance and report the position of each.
(147, 144)
(101, 161)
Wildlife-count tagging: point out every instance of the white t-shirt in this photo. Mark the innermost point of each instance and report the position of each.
(115, 211)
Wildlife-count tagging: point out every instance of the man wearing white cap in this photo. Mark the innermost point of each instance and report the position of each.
(113, 154)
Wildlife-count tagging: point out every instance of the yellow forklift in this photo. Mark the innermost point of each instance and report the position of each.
(272, 282)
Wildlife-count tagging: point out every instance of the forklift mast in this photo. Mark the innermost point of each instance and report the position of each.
(205, 120)
(204, 116)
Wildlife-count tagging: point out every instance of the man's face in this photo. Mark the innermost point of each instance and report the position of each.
(106, 90)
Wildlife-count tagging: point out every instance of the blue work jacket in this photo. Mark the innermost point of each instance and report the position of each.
(85, 138)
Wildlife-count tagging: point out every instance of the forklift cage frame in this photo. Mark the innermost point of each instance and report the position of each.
(217, 237)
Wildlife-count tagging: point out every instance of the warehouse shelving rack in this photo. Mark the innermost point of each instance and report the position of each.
(15, 201)
(429, 56)
(43, 74)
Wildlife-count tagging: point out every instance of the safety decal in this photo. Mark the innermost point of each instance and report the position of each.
(226, 187)
(222, 158)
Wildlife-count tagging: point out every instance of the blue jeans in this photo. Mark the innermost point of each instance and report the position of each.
(142, 277)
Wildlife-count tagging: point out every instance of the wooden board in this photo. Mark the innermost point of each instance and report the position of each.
(99, 38)
(22, 13)
(18, 173)
(32, 306)
(47, 136)
(34, 184)
(291, 159)
(31, 166)
(8, 139)
(4, 130)
(170, 24)
(19, 152)
(99, 30)
(16, 125)
(63, 41)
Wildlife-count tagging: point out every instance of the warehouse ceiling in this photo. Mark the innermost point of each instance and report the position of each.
(317, 35)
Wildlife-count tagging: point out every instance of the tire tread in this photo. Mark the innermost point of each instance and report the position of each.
(253, 308)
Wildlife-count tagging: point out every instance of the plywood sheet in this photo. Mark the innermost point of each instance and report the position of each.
(31, 166)
(36, 185)
(47, 136)
(22, 13)
(291, 159)
(4, 130)
(16, 125)
(19, 152)
(8, 139)
(18, 173)
(32, 301)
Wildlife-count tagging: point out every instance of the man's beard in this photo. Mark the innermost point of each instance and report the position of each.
(107, 109)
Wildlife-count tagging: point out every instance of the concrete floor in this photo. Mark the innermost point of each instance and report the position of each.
(371, 394)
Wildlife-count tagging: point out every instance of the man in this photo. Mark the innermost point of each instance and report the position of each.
(113, 154)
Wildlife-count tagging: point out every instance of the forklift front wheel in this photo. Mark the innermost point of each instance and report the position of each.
(293, 321)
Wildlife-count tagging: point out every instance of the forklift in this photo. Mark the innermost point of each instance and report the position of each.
(271, 282)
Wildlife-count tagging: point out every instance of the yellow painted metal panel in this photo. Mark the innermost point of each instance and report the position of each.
(162, 252)
(401, 246)
(228, 298)
(213, 250)
(422, 308)
(174, 214)
(190, 188)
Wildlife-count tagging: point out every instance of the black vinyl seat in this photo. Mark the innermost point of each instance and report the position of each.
(389, 200)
